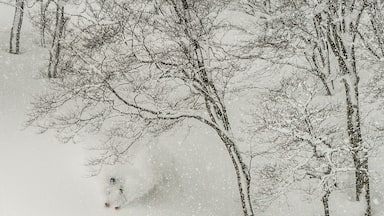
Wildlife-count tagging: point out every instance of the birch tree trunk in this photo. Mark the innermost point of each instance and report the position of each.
(242, 174)
(14, 42)
(345, 54)
(54, 54)
(359, 152)
(216, 108)
(218, 114)
(220, 122)
(325, 200)
(42, 23)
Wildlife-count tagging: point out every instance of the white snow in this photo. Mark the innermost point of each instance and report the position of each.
(189, 172)
(40, 176)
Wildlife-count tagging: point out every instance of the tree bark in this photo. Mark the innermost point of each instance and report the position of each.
(347, 64)
(54, 54)
(325, 199)
(359, 152)
(14, 42)
(242, 174)
(42, 22)
(218, 115)
(216, 109)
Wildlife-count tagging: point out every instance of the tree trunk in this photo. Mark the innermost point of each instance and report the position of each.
(359, 151)
(364, 165)
(242, 174)
(218, 115)
(217, 111)
(325, 202)
(14, 42)
(42, 23)
(54, 54)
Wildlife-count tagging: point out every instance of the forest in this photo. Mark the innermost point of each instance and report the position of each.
(283, 97)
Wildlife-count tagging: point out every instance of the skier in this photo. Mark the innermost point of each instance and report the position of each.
(121, 197)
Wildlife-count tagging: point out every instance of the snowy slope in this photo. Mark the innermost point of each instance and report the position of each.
(43, 177)
(40, 176)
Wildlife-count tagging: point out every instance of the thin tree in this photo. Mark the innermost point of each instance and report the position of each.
(141, 68)
(332, 32)
(58, 33)
(43, 20)
(301, 141)
(14, 41)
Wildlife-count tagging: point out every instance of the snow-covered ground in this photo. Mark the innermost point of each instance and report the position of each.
(40, 176)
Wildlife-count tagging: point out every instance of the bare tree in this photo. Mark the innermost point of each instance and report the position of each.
(300, 132)
(342, 37)
(14, 41)
(331, 36)
(138, 68)
(58, 33)
(43, 22)
(42, 14)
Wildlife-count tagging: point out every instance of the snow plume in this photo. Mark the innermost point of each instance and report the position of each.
(138, 180)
